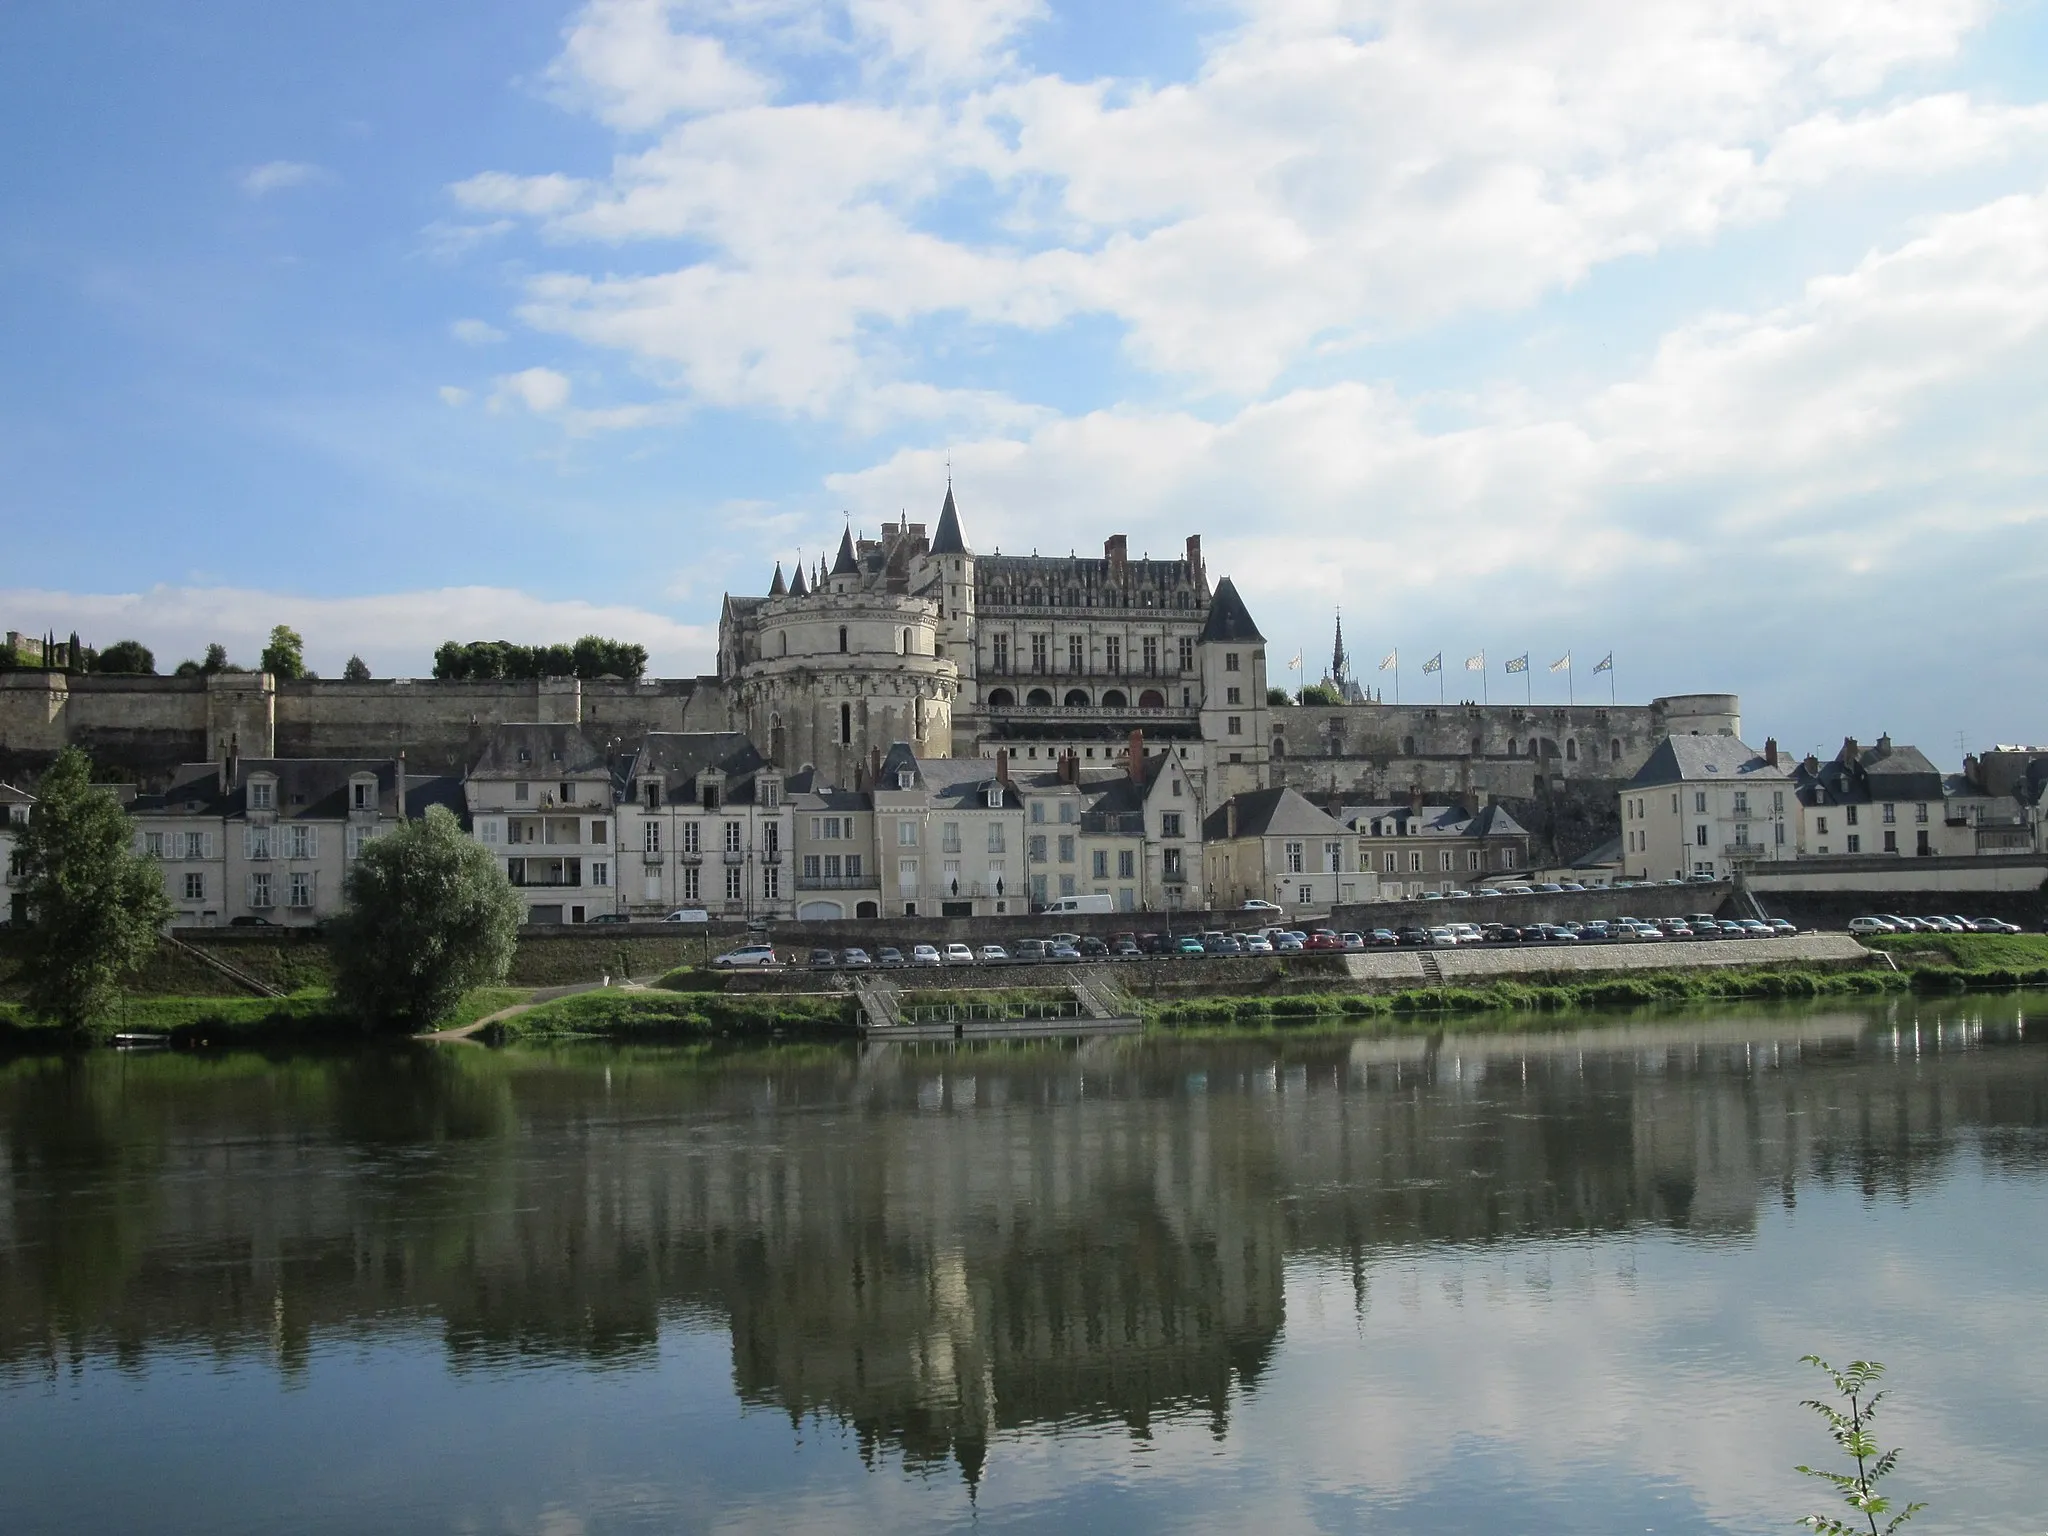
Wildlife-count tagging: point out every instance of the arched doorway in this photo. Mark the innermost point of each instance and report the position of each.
(820, 912)
(1077, 698)
(867, 909)
(1038, 698)
(1113, 698)
(1001, 698)
(1151, 698)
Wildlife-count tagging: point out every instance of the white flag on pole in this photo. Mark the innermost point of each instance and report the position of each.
(1393, 660)
(1563, 663)
(1476, 663)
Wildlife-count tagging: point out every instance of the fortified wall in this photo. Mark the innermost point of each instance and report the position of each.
(144, 727)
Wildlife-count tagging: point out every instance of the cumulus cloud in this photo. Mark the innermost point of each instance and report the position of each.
(454, 394)
(475, 333)
(626, 62)
(395, 632)
(279, 175)
(538, 389)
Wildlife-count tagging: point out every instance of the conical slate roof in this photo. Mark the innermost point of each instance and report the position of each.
(799, 587)
(778, 587)
(948, 540)
(844, 563)
(1229, 621)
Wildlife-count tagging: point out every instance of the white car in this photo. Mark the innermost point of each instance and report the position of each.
(754, 956)
(959, 954)
(1255, 905)
(994, 954)
(1866, 926)
(688, 915)
(925, 954)
(1442, 938)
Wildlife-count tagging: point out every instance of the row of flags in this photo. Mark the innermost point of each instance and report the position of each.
(1478, 663)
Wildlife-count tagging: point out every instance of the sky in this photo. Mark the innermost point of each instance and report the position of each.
(1709, 335)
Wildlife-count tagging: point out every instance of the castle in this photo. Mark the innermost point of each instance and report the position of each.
(918, 639)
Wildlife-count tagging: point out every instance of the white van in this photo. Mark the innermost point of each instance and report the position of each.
(1097, 901)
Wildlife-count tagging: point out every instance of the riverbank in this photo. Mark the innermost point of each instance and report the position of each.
(697, 1004)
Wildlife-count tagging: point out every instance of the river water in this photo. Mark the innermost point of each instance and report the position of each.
(1542, 1282)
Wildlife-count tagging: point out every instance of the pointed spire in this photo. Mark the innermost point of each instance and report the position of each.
(1340, 664)
(1229, 621)
(844, 564)
(799, 587)
(948, 540)
(778, 587)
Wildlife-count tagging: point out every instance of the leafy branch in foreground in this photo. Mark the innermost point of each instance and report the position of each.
(1852, 1433)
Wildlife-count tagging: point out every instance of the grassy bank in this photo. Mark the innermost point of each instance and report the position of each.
(1940, 962)
(308, 1014)
(657, 1013)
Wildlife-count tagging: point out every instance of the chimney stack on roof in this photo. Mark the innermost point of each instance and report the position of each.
(1850, 751)
(1230, 817)
(875, 765)
(1003, 766)
(1117, 550)
(401, 783)
(1771, 750)
(1195, 559)
(1415, 801)
(1134, 758)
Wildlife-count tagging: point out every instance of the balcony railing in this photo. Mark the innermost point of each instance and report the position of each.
(735, 856)
(836, 882)
(529, 883)
(772, 856)
(1749, 850)
(651, 856)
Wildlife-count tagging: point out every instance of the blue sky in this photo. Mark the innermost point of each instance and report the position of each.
(1708, 334)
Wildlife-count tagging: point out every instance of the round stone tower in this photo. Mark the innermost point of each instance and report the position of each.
(1699, 714)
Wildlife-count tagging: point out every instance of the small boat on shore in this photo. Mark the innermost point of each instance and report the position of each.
(141, 1042)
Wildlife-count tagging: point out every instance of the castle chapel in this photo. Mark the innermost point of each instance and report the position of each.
(919, 639)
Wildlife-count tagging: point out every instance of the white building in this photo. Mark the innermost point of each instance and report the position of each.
(15, 805)
(950, 835)
(1414, 847)
(836, 863)
(1702, 805)
(541, 798)
(1273, 845)
(1889, 800)
(704, 825)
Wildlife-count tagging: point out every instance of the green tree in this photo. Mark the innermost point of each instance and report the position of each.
(94, 905)
(1321, 693)
(430, 915)
(285, 657)
(356, 671)
(1278, 698)
(129, 656)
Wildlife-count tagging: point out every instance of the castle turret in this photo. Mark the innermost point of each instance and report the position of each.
(778, 587)
(1231, 656)
(950, 577)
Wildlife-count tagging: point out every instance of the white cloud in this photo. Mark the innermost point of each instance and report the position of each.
(533, 196)
(453, 394)
(395, 632)
(475, 333)
(279, 175)
(624, 61)
(538, 389)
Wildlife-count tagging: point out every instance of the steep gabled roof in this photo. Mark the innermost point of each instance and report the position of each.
(778, 587)
(1229, 622)
(678, 757)
(531, 751)
(800, 587)
(846, 563)
(1270, 813)
(948, 540)
(1718, 758)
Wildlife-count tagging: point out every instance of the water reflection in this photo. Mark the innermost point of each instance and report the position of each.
(928, 1247)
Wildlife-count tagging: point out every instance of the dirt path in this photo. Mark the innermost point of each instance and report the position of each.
(544, 995)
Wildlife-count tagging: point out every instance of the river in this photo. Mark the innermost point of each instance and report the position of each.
(1553, 1281)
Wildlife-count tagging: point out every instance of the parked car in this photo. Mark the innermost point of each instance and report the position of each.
(688, 915)
(748, 957)
(252, 922)
(856, 960)
(1412, 938)
(1255, 905)
(1256, 944)
(1383, 938)
(611, 917)
(1288, 943)
(926, 954)
(889, 958)
(1159, 944)
(1188, 944)
(1064, 952)
(1997, 925)
(1125, 947)
(823, 960)
(959, 954)
(994, 954)
(1325, 938)
(1868, 927)
(1352, 941)
(1783, 929)
(1442, 938)
(1487, 890)
(1093, 948)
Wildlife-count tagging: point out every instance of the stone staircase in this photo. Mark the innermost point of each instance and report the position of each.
(881, 1005)
(1431, 971)
(1099, 995)
(239, 977)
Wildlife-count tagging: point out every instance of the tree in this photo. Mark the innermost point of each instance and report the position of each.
(95, 906)
(430, 915)
(356, 671)
(216, 661)
(285, 657)
(1321, 693)
(128, 656)
(592, 656)
(1278, 697)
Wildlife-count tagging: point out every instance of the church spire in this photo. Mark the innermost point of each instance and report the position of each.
(1340, 664)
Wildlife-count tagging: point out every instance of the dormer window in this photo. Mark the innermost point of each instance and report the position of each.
(906, 778)
(362, 795)
(568, 793)
(525, 756)
(519, 791)
(262, 795)
(995, 797)
(650, 792)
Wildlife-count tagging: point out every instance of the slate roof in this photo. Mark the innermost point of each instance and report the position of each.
(800, 587)
(531, 751)
(678, 757)
(1229, 622)
(845, 562)
(1718, 758)
(957, 781)
(1270, 813)
(778, 587)
(1858, 775)
(1435, 821)
(948, 540)
(308, 789)
(803, 792)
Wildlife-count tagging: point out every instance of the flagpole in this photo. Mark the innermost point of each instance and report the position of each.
(1610, 678)
(1571, 687)
(1485, 697)
(1528, 683)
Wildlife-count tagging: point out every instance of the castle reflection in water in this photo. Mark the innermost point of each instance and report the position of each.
(928, 1248)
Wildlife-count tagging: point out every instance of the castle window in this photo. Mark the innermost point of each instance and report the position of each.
(1077, 698)
(842, 637)
(1151, 698)
(1151, 652)
(999, 653)
(903, 643)
(1114, 699)
(1039, 645)
(1038, 698)
(1614, 749)
(1571, 751)
(1112, 654)
(1001, 698)
(1187, 653)
(1076, 654)
(845, 724)
(1407, 746)
(1230, 661)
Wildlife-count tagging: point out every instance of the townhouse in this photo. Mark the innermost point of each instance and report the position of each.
(704, 824)
(1274, 845)
(1414, 848)
(1706, 805)
(15, 805)
(1889, 800)
(952, 831)
(542, 799)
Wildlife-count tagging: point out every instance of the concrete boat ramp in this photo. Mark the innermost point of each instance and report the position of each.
(1096, 1006)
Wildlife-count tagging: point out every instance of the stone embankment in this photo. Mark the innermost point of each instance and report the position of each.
(1476, 966)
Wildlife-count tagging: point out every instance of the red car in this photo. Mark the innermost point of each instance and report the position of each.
(1325, 938)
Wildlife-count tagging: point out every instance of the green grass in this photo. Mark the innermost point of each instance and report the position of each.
(613, 1012)
(307, 1013)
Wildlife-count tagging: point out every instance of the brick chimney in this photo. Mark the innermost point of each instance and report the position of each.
(1415, 801)
(1849, 749)
(1771, 750)
(400, 779)
(1230, 817)
(1003, 766)
(1134, 758)
(1117, 550)
(1195, 558)
(875, 766)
